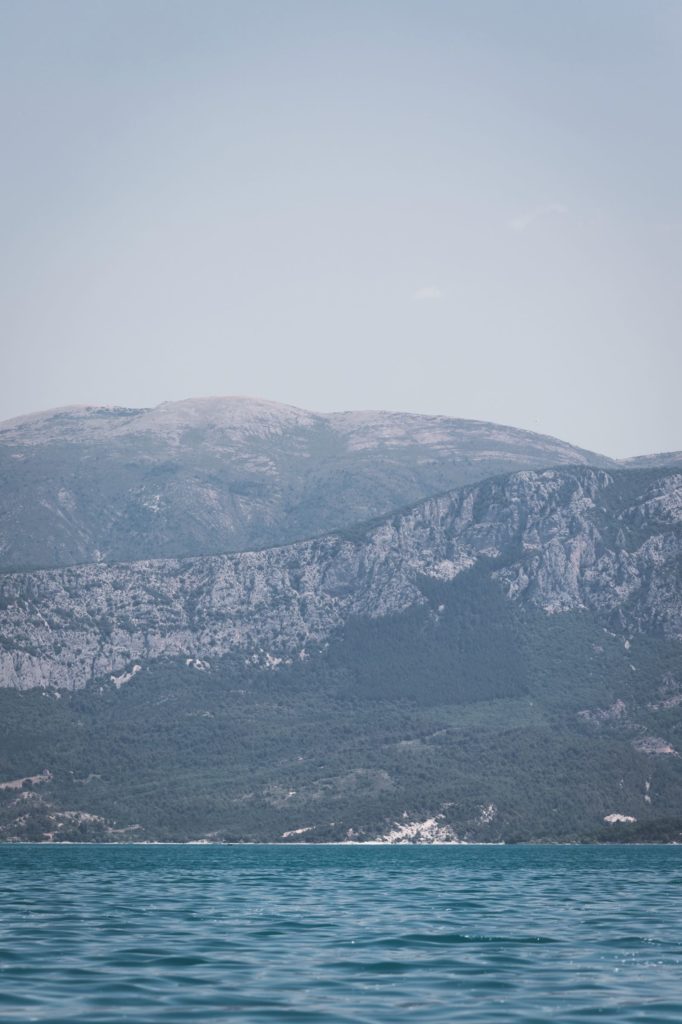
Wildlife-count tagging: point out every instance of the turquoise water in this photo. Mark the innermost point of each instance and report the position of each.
(258, 933)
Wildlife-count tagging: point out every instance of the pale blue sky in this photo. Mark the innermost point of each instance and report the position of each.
(465, 208)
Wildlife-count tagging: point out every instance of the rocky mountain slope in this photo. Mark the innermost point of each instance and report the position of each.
(295, 627)
(496, 664)
(223, 474)
(557, 540)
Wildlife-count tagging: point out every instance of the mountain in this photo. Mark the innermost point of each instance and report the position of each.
(671, 459)
(90, 484)
(562, 540)
(499, 662)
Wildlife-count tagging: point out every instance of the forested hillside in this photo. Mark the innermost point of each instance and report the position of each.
(486, 721)
(499, 663)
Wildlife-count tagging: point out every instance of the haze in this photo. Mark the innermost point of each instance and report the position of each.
(461, 208)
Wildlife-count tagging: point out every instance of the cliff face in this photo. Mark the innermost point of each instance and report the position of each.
(213, 475)
(578, 538)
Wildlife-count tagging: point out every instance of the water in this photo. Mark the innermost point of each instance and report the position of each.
(452, 933)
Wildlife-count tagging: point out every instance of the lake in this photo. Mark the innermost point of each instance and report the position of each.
(340, 933)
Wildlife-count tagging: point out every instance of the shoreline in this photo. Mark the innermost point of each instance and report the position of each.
(369, 843)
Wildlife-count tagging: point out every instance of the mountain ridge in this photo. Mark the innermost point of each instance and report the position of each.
(89, 484)
(285, 411)
(557, 542)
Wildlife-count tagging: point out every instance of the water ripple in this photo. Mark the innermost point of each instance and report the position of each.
(336, 934)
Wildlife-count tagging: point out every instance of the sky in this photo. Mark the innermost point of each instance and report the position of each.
(471, 209)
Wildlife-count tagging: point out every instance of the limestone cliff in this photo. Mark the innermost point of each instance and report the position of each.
(561, 539)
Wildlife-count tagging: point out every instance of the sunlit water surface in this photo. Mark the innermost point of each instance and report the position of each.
(258, 933)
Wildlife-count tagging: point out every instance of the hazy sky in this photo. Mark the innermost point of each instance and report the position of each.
(465, 208)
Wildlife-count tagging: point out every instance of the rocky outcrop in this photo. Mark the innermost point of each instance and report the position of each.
(562, 540)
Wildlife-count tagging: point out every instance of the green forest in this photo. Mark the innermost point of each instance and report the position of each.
(466, 703)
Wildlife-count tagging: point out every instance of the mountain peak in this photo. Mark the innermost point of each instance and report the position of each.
(239, 414)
